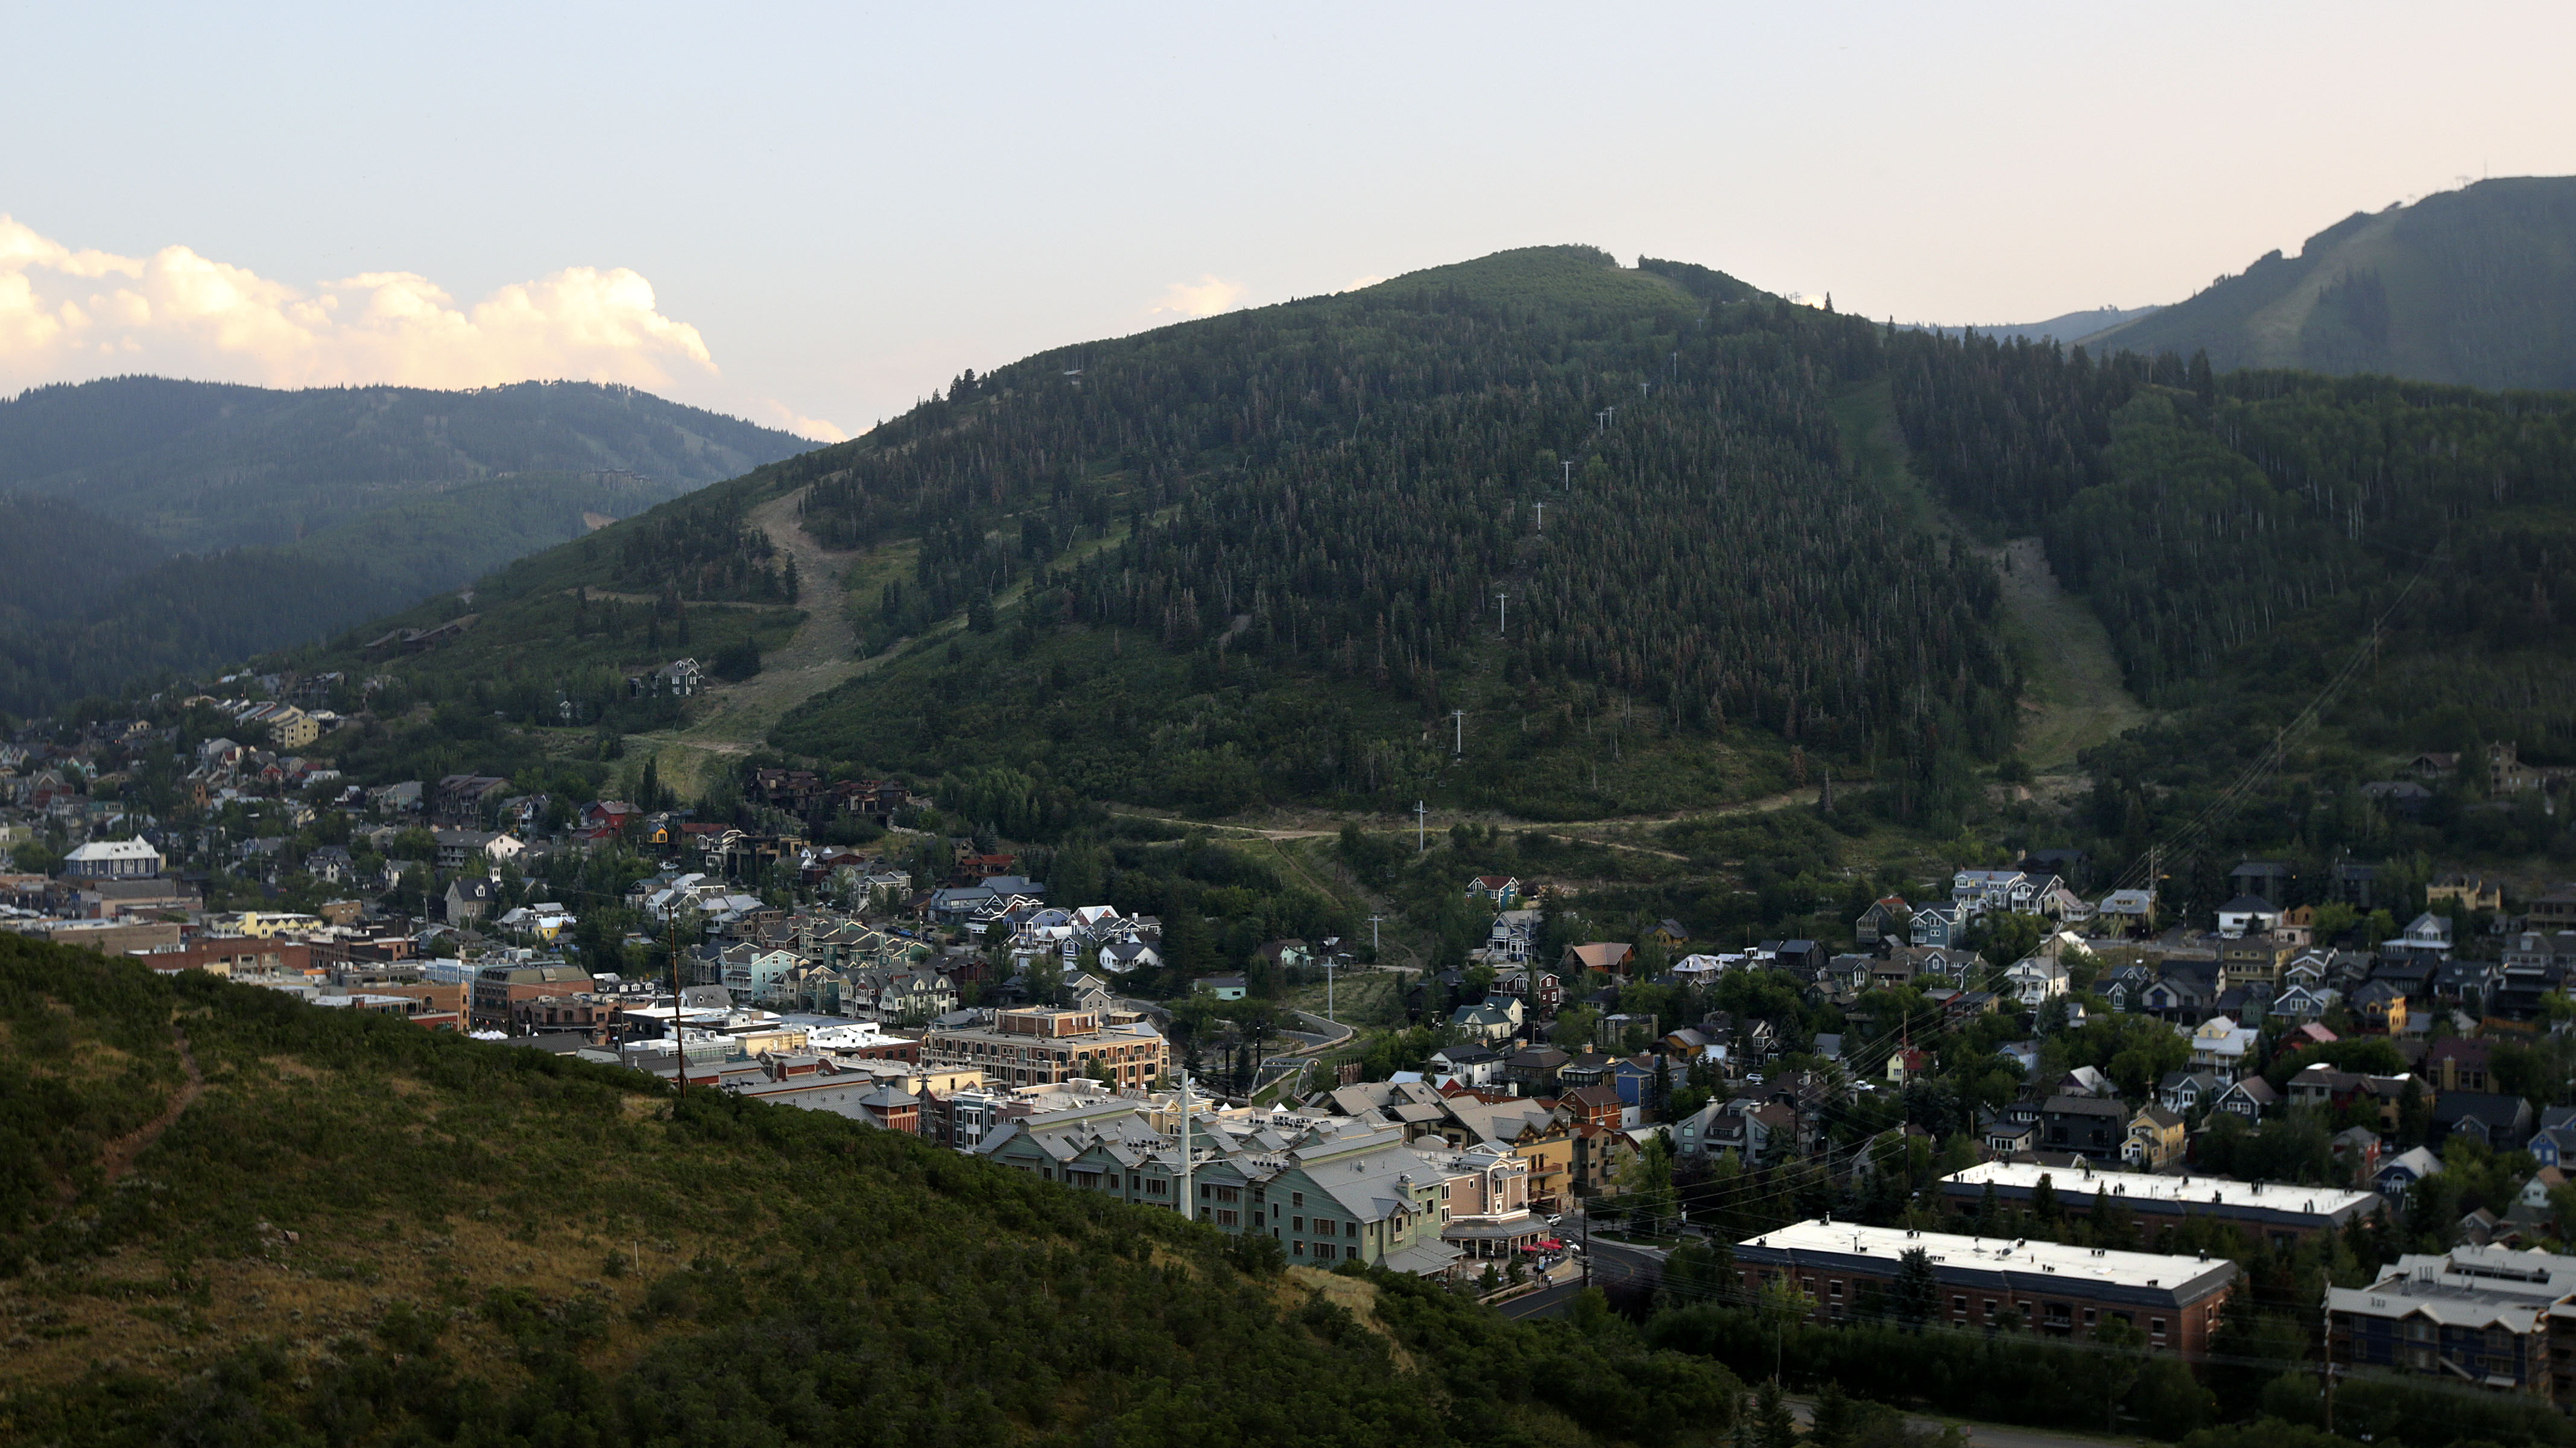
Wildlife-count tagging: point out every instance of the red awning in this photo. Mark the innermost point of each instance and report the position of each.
(1550, 1244)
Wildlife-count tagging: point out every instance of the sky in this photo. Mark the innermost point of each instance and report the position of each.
(813, 215)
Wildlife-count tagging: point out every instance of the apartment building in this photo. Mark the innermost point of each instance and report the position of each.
(1042, 1047)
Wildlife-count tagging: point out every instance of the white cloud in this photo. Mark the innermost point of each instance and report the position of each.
(1205, 297)
(69, 315)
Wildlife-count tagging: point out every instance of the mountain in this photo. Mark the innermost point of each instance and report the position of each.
(2475, 286)
(2068, 329)
(150, 525)
(230, 1217)
(1603, 512)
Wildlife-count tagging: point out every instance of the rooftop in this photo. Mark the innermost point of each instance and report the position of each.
(2195, 1192)
(2185, 1277)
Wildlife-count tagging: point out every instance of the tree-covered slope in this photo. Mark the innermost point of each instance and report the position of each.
(227, 1217)
(2475, 286)
(1268, 555)
(150, 526)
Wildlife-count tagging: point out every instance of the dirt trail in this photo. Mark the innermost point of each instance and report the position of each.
(119, 1157)
(821, 656)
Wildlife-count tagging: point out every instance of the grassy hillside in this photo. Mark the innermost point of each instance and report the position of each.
(226, 1217)
(2475, 286)
(150, 526)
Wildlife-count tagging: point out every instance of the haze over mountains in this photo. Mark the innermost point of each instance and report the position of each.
(150, 524)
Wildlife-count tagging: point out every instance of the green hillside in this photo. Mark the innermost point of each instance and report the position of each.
(1256, 558)
(2475, 286)
(150, 526)
(227, 1217)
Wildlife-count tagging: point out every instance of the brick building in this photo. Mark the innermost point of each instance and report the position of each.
(1048, 1047)
(2272, 1214)
(2054, 1289)
(499, 988)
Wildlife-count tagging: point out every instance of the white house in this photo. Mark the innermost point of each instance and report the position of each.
(2247, 915)
(2222, 1047)
(2034, 980)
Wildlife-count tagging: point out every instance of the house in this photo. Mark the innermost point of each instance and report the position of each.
(2185, 993)
(2250, 1098)
(2399, 1174)
(2472, 892)
(2035, 980)
(461, 849)
(2246, 914)
(2380, 1008)
(2457, 1063)
(2156, 1139)
(2187, 1091)
(1884, 922)
(1466, 1065)
(2222, 1047)
(469, 897)
(1222, 987)
(2357, 1149)
(1503, 890)
(2127, 912)
(2504, 1123)
(2085, 1125)
(2427, 936)
(1906, 1064)
(677, 679)
(1938, 926)
(1494, 1018)
(1609, 956)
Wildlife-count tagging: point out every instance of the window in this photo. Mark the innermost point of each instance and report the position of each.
(1296, 1199)
(1959, 1306)
(2156, 1329)
(1225, 1218)
(1296, 1224)
(1324, 1251)
(1297, 1249)
(1834, 1286)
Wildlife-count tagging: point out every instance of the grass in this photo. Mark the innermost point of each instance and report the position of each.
(2073, 696)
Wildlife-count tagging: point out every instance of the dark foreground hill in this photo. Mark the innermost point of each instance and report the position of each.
(148, 524)
(230, 1218)
(2475, 286)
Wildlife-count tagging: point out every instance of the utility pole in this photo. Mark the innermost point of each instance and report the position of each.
(1189, 1206)
(1542, 517)
(1503, 607)
(1421, 829)
(1373, 920)
(1569, 475)
(1459, 749)
(679, 1037)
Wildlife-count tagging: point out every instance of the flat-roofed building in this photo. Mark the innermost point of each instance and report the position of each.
(2483, 1314)
(2267, 1213)
(2054, 1288)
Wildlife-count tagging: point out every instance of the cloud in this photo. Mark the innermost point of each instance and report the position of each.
(68, 315)
(1206, 297)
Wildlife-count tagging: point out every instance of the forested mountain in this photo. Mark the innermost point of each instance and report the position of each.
(2475, 286)
(207, 465)
(150, 525)
(1268, 555)
(2246, 537)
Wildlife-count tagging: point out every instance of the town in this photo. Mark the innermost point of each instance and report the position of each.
(2013, 1102)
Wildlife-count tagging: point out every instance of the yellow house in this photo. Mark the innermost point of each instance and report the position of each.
(292, 729)
(268, 924)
